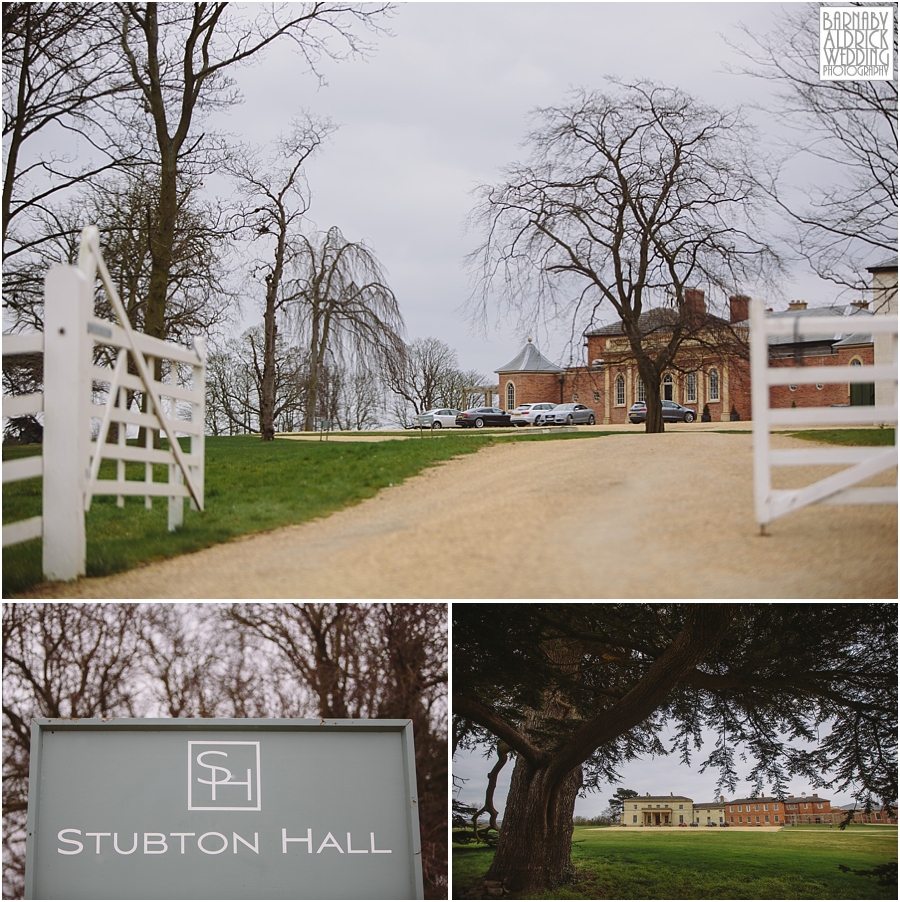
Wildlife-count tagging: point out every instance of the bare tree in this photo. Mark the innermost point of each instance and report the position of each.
(630, 198)
(845, 134)
(59, 66)
(181, 58)
(278, 197)
(344, 307)
(424, 375)
(234, 385)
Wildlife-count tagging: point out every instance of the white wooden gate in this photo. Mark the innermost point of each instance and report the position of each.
(70, 462)
(842, 487)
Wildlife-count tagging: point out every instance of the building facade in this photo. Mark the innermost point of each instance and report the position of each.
(756, 811)
(711, 372)
(658, 811)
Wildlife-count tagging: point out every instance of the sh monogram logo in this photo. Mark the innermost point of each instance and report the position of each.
(223, 776)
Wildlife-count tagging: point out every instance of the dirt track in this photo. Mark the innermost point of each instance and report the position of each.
(630, 516)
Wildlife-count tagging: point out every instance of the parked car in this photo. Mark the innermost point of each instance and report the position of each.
(724, 824)
(443, 416)
(672, 413)
(479, 417)
(568, 415)
(682, 825)
(530, 414)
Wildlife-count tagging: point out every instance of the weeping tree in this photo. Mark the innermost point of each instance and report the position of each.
(344, 308)
(575, 690)
(630, 198)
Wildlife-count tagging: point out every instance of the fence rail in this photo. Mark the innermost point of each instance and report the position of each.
(172, 407)
(862, 463)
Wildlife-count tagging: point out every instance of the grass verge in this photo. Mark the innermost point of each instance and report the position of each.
(251, 486)
(792, 863)
(877, 437)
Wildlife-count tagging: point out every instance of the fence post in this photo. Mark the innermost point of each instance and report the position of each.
(67, 420)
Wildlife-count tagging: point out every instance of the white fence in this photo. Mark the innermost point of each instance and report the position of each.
(70, 463)
(862, 462)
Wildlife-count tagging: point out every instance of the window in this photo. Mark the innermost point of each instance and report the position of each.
(740, 820)
(620, 390)
(818, 805)
(877, 815)
(634, 819)
(731, 809)
(714, 385)
(767, 818)
(690, 387)
(756, 807)
(765, 807)
(740, 807)
(596, 397)
(635, 807)
(682, 806)
(776, 818)
(668, 388)
(757, 818)
(775, 807)
(641, 394)
(805, 805)
(510, 396)
(680, 818)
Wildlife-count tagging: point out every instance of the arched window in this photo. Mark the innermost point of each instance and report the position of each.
(713, 384)
(668, 388)
(620, 390)
(510, 396)
(690, 387)
(641, 394)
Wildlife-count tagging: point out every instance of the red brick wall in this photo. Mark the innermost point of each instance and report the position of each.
(531, 388)
(809, 395)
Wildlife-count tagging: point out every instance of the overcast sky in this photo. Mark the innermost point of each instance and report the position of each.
(442, 106)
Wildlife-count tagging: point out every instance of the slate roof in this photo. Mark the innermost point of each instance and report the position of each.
(847, 338)
(529, 360)
(656, 319)
(889, 265)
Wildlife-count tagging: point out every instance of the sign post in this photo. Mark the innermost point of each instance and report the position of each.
(222, 809)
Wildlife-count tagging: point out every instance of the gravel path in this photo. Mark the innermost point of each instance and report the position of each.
(629, 516)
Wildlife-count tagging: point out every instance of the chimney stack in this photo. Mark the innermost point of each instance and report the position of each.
(694, 307)
(740, 308)
(797, 305)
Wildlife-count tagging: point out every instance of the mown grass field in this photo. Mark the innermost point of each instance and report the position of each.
(701, 863)
(251, 486)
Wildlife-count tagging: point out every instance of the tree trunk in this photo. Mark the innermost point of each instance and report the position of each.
(267, 393)
(651, 380)
(535, 843)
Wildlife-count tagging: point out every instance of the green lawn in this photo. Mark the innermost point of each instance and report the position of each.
(251, 486)
(701, 863)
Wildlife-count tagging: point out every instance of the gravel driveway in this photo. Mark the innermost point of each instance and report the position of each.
(625, 516)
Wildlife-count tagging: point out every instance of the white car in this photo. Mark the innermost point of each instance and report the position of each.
(530, 414)
(443, 416)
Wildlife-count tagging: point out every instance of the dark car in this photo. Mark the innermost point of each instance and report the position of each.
(479, 417)
(672, 413)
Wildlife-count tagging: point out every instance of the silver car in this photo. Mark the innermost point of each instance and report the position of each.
(569, 415)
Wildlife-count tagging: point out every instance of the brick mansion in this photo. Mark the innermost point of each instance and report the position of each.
(759, 811)
(711, 372)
